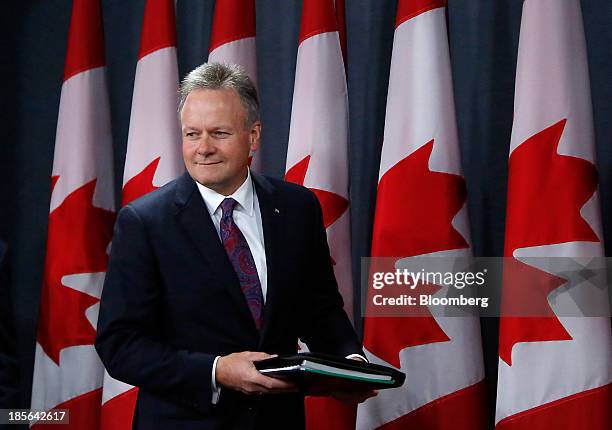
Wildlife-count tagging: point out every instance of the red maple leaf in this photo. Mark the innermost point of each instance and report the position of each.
(414, 211)
(546, 191)
(332, 204)
(77, 238)
(415, 208)
(140, 184)
(298, 172)
(527, 316)
(387, 336)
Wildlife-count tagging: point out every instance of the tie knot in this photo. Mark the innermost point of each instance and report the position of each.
(227, 206)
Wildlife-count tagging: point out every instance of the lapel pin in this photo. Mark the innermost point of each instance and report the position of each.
(276, 210)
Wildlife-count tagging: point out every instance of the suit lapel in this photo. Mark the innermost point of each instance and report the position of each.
(199, 228)
(272, 220)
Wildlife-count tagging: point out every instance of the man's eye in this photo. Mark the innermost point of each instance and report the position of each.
(221, 133)
(190, 134)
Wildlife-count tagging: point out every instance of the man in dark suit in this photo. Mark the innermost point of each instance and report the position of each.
(215, 270)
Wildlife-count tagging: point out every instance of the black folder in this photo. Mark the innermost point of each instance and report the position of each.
(319, 374)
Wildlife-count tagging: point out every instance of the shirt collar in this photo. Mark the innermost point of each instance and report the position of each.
(243, 195)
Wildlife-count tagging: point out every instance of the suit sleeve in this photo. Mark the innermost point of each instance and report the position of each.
(326, 326)
(126, 339)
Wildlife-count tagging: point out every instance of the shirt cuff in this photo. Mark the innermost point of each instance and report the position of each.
(361, 357)
(216, 391)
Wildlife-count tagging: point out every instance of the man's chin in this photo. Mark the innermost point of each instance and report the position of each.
(207, 182)
(211, 183)
(205, 175)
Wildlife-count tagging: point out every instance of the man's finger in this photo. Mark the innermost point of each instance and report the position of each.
(273, 383)
(262, 389)
(259, 356)
(256, 356)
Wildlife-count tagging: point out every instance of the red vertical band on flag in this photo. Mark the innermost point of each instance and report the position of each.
(407, 9)
(84, 412)
(582, 411)
(318, 16)
(158, 27)
(341, 20)
(453, 411)
(327, 413)
(118, 412)
(85, 39)
(233, 20)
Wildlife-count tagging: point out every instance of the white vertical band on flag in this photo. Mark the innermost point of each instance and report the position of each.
(241, 52)
(552, 77)
(317, 158)
(83, 143)
(319, 130)
(420, 76)
(80, 372)
(233, 42)
(319, 114)
(154, 126)
(420, 86)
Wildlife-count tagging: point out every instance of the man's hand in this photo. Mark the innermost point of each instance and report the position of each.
(237, 371)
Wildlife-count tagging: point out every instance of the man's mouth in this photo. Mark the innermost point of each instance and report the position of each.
(207, 163)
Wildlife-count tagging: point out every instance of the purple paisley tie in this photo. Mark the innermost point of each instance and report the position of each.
(241, 258)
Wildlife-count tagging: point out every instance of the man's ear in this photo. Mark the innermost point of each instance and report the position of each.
(254, 136)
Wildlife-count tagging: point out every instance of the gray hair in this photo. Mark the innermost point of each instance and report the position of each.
(218, 76)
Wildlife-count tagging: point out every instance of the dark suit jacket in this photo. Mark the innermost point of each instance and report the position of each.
(172, 302)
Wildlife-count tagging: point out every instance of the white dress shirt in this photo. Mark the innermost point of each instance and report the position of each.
(247, 216)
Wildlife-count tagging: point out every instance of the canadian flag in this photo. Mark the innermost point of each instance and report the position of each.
(317, 157)
(232, 41)
(153, 153)
(67, 371)
(554, 371)
(421, 211)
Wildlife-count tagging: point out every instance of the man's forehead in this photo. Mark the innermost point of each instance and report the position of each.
(206, 94)
(212, 103)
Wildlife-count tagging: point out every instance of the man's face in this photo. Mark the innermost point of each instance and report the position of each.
(217, 139)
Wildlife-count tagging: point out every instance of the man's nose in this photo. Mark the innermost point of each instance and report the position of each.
(205, 146)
